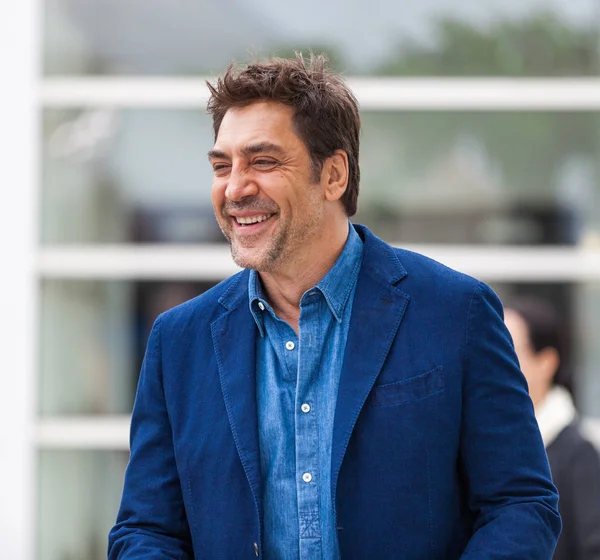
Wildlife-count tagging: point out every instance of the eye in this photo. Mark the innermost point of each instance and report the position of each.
(221, 169)
(264, 163)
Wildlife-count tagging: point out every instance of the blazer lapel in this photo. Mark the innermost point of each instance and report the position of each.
(234, 339)
(377, 311)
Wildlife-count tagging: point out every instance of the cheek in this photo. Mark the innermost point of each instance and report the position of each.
(218, 194)
(529, 372)
(275, 188)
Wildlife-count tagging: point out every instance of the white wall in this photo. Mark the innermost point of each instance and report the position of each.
(19, 24)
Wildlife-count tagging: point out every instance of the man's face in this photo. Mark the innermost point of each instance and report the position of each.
(536, 367)
(264, 197)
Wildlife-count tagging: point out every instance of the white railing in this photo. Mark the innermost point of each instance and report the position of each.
(83, 432)
(213, 262)
(373, 94)
(90, 432)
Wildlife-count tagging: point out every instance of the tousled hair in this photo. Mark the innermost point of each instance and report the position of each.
(325, 110)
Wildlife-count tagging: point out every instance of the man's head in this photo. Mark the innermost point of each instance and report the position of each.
(286, 153)
(539, 343)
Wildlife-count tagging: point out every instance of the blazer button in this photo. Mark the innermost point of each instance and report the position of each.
(256, 549)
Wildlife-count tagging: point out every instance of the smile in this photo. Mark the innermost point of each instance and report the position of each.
(249, 220)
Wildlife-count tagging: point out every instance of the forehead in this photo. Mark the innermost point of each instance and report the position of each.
(260, 122)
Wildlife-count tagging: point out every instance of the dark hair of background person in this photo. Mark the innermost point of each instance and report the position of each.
(325, 110)
(546, 330)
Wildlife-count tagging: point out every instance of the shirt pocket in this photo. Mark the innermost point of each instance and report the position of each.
(414, 388)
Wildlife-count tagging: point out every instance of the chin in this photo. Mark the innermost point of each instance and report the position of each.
(247, 258)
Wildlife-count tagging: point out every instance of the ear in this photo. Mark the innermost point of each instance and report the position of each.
(549, 361)
(335, 175)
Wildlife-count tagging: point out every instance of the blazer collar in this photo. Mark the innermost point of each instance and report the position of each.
(234, 339)
(377, 312)
(380, 260)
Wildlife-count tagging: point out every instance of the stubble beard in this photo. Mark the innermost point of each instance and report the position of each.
(282, 247)
(279, 249)
(263, 258)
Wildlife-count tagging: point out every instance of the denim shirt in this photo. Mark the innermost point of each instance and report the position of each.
(297, 379)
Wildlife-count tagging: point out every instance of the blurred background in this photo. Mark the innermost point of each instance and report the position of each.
(480, 147)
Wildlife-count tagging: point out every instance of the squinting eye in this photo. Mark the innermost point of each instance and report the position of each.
(265, 162)
(220, 168)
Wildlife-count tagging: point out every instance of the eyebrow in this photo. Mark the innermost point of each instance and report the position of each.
(252, 149)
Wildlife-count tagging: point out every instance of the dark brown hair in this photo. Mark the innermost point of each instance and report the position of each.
(545, 331)
(325, 110)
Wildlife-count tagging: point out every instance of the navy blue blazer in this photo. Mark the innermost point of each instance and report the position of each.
(436, 450)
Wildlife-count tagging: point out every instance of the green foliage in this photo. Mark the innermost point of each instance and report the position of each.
(541, 45)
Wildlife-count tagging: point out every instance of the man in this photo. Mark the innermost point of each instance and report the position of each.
(337, 398)
(540, 343)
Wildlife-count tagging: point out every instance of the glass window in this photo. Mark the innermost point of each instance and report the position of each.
(78, 498)
(425, 37)
(127, 176)
(143, 176)
(93, 337)
(514, 178)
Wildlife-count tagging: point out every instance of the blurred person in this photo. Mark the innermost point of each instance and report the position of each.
(338, 398)
(539, 341)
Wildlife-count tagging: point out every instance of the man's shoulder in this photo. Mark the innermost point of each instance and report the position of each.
(416, 269)
(428, 273)
(420, 262)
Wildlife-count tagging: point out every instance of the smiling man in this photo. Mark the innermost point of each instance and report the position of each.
(338, 398)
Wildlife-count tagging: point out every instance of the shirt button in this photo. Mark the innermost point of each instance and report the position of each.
(256, 549)
(290, 345)
(307, 477)
(261, 305)
(305, 408)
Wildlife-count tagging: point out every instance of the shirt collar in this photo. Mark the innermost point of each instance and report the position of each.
(555, 413)
(337, 284)
(334, 286)
(257, 298)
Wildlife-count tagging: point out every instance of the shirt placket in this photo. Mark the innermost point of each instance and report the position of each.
(307, 434)
(278, 423)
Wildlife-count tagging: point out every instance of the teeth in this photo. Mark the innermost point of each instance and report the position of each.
(253, 219)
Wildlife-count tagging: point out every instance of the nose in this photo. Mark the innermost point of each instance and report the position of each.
(239, 185)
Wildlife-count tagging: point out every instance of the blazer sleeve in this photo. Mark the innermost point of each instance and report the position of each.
(151, 523)
(502, 457)
(584, 477)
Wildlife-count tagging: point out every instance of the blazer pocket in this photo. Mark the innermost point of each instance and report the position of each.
(411, 389)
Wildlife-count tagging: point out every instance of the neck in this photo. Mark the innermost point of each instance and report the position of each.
(284, 287)
(538, 397)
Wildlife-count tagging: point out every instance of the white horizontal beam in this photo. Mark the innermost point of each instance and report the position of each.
(84, 432)
(139, 262)
(213, 262)
(519, 264)
(112, 432)
(432, 94)
(478, 94)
